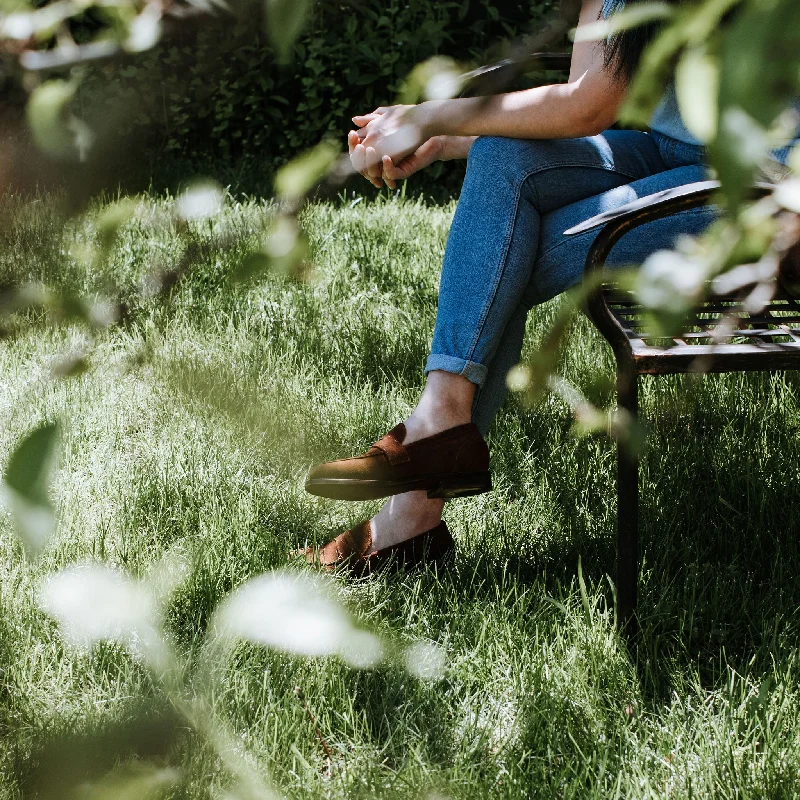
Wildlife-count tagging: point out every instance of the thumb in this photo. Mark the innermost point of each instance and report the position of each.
(390, 171)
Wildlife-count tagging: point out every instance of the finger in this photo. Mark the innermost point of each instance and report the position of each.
(388, 172)
(373, 163)
(362, 119)
(386, 166)
(358, 158)
(352, 141)
(405, 168)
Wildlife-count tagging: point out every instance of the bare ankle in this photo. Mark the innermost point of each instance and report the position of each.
(403, 517)
(445, 403)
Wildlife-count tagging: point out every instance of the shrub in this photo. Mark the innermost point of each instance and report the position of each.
(216, 96)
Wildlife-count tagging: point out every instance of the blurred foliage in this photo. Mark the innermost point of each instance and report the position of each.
(736, 68)
(217, 96)
(26, 486)
(273, 83)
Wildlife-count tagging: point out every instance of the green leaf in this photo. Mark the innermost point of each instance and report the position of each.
(760, 77)
(144, 30)
(285, 21)
(111, 220)
(437, 78)
(691, 26)
(787, 195)
(740, 147)
(761, 59)
(141, 781)
(94, 603)
(296, 613)
(632, 17)
(668, 286)
(300, 175)
(26, 486)
(793, 162)
(252, 265)
(49, 117)
(697, 87)
(286, 246)
(519, 378)
(202, 199)
(652, 77)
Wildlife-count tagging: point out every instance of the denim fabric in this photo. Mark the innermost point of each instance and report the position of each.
(507, 251)
(667, 121)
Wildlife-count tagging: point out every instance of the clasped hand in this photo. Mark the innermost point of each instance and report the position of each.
(390, 144)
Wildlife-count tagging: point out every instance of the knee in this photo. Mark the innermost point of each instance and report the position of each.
(509, 163)
(490, 149)
(498, 154)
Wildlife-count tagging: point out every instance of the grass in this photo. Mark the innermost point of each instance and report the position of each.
(192, 431)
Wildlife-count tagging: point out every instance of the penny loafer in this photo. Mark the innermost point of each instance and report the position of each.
(453, 463)
(353, 549)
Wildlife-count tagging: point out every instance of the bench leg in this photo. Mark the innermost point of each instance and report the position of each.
(627, 510)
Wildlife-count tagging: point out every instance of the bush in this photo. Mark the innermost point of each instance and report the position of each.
(217, 97)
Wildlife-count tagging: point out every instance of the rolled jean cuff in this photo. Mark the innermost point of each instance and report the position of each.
(471, 370)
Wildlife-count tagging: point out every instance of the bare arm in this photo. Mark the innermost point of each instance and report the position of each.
(584, 106)
(389, 139)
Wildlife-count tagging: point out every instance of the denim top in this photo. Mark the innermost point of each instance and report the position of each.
(667, 119)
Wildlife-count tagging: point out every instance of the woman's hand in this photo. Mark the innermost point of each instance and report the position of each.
(394, 131)
(423, 156)
(377, 169)
(437, 148)
(358, 157)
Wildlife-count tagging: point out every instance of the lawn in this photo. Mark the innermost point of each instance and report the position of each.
(191, 432)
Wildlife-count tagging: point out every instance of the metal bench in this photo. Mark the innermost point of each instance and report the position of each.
(764, 341)
(767, 341)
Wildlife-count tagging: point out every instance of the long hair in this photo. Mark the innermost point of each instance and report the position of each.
(624, 50)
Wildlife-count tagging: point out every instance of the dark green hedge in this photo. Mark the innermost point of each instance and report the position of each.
(216, 97)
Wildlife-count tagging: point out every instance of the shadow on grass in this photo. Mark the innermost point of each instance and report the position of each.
(718, 512)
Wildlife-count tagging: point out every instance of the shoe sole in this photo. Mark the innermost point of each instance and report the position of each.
(459, 484)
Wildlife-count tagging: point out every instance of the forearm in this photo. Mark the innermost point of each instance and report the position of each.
(455, 147)
(546, 112)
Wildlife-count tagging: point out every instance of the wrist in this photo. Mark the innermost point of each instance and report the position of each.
(425, 119)
(441, 149)
(453, 148)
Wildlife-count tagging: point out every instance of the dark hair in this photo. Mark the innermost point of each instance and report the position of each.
(623, 50)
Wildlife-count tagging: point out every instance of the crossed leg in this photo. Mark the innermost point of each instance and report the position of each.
(506, 252)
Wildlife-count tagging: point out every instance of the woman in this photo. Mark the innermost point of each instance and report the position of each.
(539, 162)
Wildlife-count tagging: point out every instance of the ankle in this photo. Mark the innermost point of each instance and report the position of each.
(403, 517)
(428, 421)
(446, 403)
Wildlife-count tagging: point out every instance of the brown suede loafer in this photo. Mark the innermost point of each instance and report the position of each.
(453, 463)
(353, 549)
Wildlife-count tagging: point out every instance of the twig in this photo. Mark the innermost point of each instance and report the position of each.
(302, 698)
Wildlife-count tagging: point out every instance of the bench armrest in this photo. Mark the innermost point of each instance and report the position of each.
(656, 200)
(496, 78)
(622, 221)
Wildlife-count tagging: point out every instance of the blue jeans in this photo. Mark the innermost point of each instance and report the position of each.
(507, 252)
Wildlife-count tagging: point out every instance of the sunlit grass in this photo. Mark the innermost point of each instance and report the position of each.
(192, 432)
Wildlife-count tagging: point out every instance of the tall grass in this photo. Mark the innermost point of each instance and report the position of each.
(193, 430)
